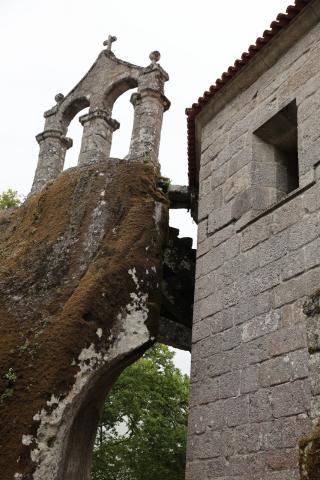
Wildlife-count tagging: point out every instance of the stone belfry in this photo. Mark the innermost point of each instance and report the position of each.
(106, 80)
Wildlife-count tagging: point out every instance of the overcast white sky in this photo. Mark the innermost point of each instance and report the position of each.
(48, 45)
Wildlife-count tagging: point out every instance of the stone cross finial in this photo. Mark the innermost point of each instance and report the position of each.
(154, 57)
(108, 43)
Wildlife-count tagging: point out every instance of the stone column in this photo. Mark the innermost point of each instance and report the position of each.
(149, 104)
(98, 127)
(53, 147)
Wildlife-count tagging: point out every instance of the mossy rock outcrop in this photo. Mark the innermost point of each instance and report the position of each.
(310, 456)
(80, 291)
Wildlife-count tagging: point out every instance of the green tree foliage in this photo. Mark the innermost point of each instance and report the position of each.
(9, 199)
(142, 434)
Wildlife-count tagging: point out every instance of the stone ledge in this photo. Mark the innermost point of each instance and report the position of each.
(244, 221)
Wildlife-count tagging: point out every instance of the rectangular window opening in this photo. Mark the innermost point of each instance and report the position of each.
(276, 153)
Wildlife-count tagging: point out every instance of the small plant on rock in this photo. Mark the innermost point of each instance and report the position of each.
(10, 377)
(164, 183)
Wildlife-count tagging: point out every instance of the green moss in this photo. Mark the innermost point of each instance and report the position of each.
(164, 183)
(310, 456)
(311, 306)
(5, 395)
(10, 378)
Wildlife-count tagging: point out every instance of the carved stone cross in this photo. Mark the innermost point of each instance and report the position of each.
(108, 43)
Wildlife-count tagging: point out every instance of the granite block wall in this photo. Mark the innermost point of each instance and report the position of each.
(257, 260)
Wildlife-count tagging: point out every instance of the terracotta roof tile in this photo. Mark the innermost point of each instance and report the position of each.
(282, 20)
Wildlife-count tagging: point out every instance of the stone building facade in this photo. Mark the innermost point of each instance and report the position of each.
(254, 151)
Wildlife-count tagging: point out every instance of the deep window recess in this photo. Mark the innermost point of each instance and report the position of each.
(275, 151)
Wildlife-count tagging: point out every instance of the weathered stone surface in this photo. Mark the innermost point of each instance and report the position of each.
(310, 443)
(179, 196)
(79, 300)
(314, 364)
(309, 456)
(174, 334)
(230, 385)
(98, 127)
(260, 406)
(106, 80)
(260, 326)
(258, 257)
(255, 233)
(178, 274)
(249, 379)
(290, 398)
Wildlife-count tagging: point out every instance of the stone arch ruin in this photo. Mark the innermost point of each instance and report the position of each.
(90, 275)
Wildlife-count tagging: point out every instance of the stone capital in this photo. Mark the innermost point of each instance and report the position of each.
(100, 113)
(155, 68)
(153, 77)
(58, 134)
(151, 92)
